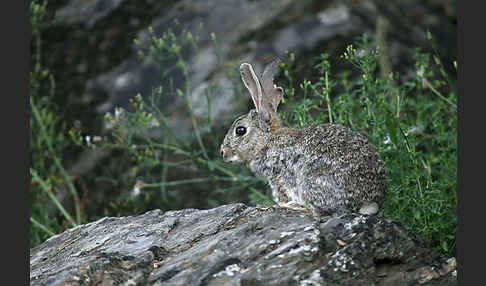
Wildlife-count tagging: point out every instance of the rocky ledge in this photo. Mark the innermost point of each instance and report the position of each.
(239, 245)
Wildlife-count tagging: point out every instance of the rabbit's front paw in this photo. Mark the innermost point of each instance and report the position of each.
(294, 206)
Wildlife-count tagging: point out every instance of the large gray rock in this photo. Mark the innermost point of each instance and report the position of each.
(239, 245)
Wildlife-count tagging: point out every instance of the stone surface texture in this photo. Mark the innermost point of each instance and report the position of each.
(239, 245)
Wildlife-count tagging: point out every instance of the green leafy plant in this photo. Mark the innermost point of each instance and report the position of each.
(163, 167)
(49, 139)
(411, 122)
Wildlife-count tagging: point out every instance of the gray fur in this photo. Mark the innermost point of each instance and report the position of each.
(325, 168)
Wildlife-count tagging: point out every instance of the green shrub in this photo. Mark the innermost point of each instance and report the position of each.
(48, 143)
(412, 123)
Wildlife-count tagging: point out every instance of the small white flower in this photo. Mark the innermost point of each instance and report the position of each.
(154, 123)
(119, 112)
(137, 189)
(387, 140)
(414, 130)
(420, 72)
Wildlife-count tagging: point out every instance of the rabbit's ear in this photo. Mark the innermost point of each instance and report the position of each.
(252, 83)
(275, 97)
(268, 75)
(273, 93)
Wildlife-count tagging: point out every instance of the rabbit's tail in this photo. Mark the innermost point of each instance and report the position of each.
(369, 208)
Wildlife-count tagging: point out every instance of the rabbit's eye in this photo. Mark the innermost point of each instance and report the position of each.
(240, 130)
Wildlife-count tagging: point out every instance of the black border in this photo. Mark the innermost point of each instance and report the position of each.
(15, 47)
(24, 158)
(460, 146)
(471, 65)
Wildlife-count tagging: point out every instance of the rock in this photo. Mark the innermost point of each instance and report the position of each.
(87, 12)
(239, 245)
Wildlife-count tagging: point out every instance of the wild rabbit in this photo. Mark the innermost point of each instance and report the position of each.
(325, 168)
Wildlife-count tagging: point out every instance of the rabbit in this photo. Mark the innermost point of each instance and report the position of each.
(325, 169)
